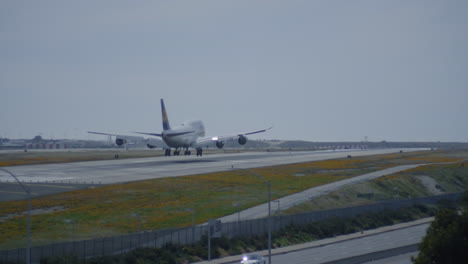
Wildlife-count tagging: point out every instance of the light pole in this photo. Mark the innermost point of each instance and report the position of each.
(238, 216)
(269, 209)
(238, 211)
(277, 201)
(139, 221)
(71, 221)
(193, 221)
(139, 225)
(28, 239)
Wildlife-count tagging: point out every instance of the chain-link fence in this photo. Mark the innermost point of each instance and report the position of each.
(158, 238)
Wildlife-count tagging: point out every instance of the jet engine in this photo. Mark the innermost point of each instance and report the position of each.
(120, 141)
(242, 139)
(220, 144)
(153, 143)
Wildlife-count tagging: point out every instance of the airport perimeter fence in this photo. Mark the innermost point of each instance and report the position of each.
(158, 238)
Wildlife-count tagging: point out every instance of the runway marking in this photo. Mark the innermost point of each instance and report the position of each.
(52, 186)
(42, 185)
(16, 192)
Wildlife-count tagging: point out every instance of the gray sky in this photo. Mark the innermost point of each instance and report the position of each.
(394, 70)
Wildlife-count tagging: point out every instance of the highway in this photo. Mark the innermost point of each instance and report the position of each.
(360, 247)
(399, 259)
(355, 247)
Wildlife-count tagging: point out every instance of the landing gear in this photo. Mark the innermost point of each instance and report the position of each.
(177, 152)
(167, 152)
(199, 152)
(187, 152)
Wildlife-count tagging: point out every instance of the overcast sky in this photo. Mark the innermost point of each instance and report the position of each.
(394, 70)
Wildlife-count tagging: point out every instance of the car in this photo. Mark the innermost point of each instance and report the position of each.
(253, 259)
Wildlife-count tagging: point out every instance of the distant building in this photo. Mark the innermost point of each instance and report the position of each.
(47, 145)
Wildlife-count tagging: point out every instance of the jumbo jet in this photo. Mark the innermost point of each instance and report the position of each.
(186, 135)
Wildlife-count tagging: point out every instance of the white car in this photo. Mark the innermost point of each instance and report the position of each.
(253, 259)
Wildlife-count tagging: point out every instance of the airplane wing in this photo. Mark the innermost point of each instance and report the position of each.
(125, 139)
(116, 135)
(239, 136)
(149, 134)
(258, 131)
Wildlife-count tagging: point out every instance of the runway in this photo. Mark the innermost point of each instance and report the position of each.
(91, 173)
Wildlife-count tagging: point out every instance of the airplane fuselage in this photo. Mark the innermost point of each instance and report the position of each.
(184, 135)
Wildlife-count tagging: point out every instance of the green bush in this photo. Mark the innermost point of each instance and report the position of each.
(446, 241)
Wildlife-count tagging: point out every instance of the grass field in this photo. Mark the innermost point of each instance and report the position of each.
(163, 203)
(443, 178)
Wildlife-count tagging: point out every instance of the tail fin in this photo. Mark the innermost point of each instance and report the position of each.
(165, 121)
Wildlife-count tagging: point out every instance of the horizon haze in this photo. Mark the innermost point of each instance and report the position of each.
(315, 70)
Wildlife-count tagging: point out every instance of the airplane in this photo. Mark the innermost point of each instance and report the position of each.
(186, 135)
